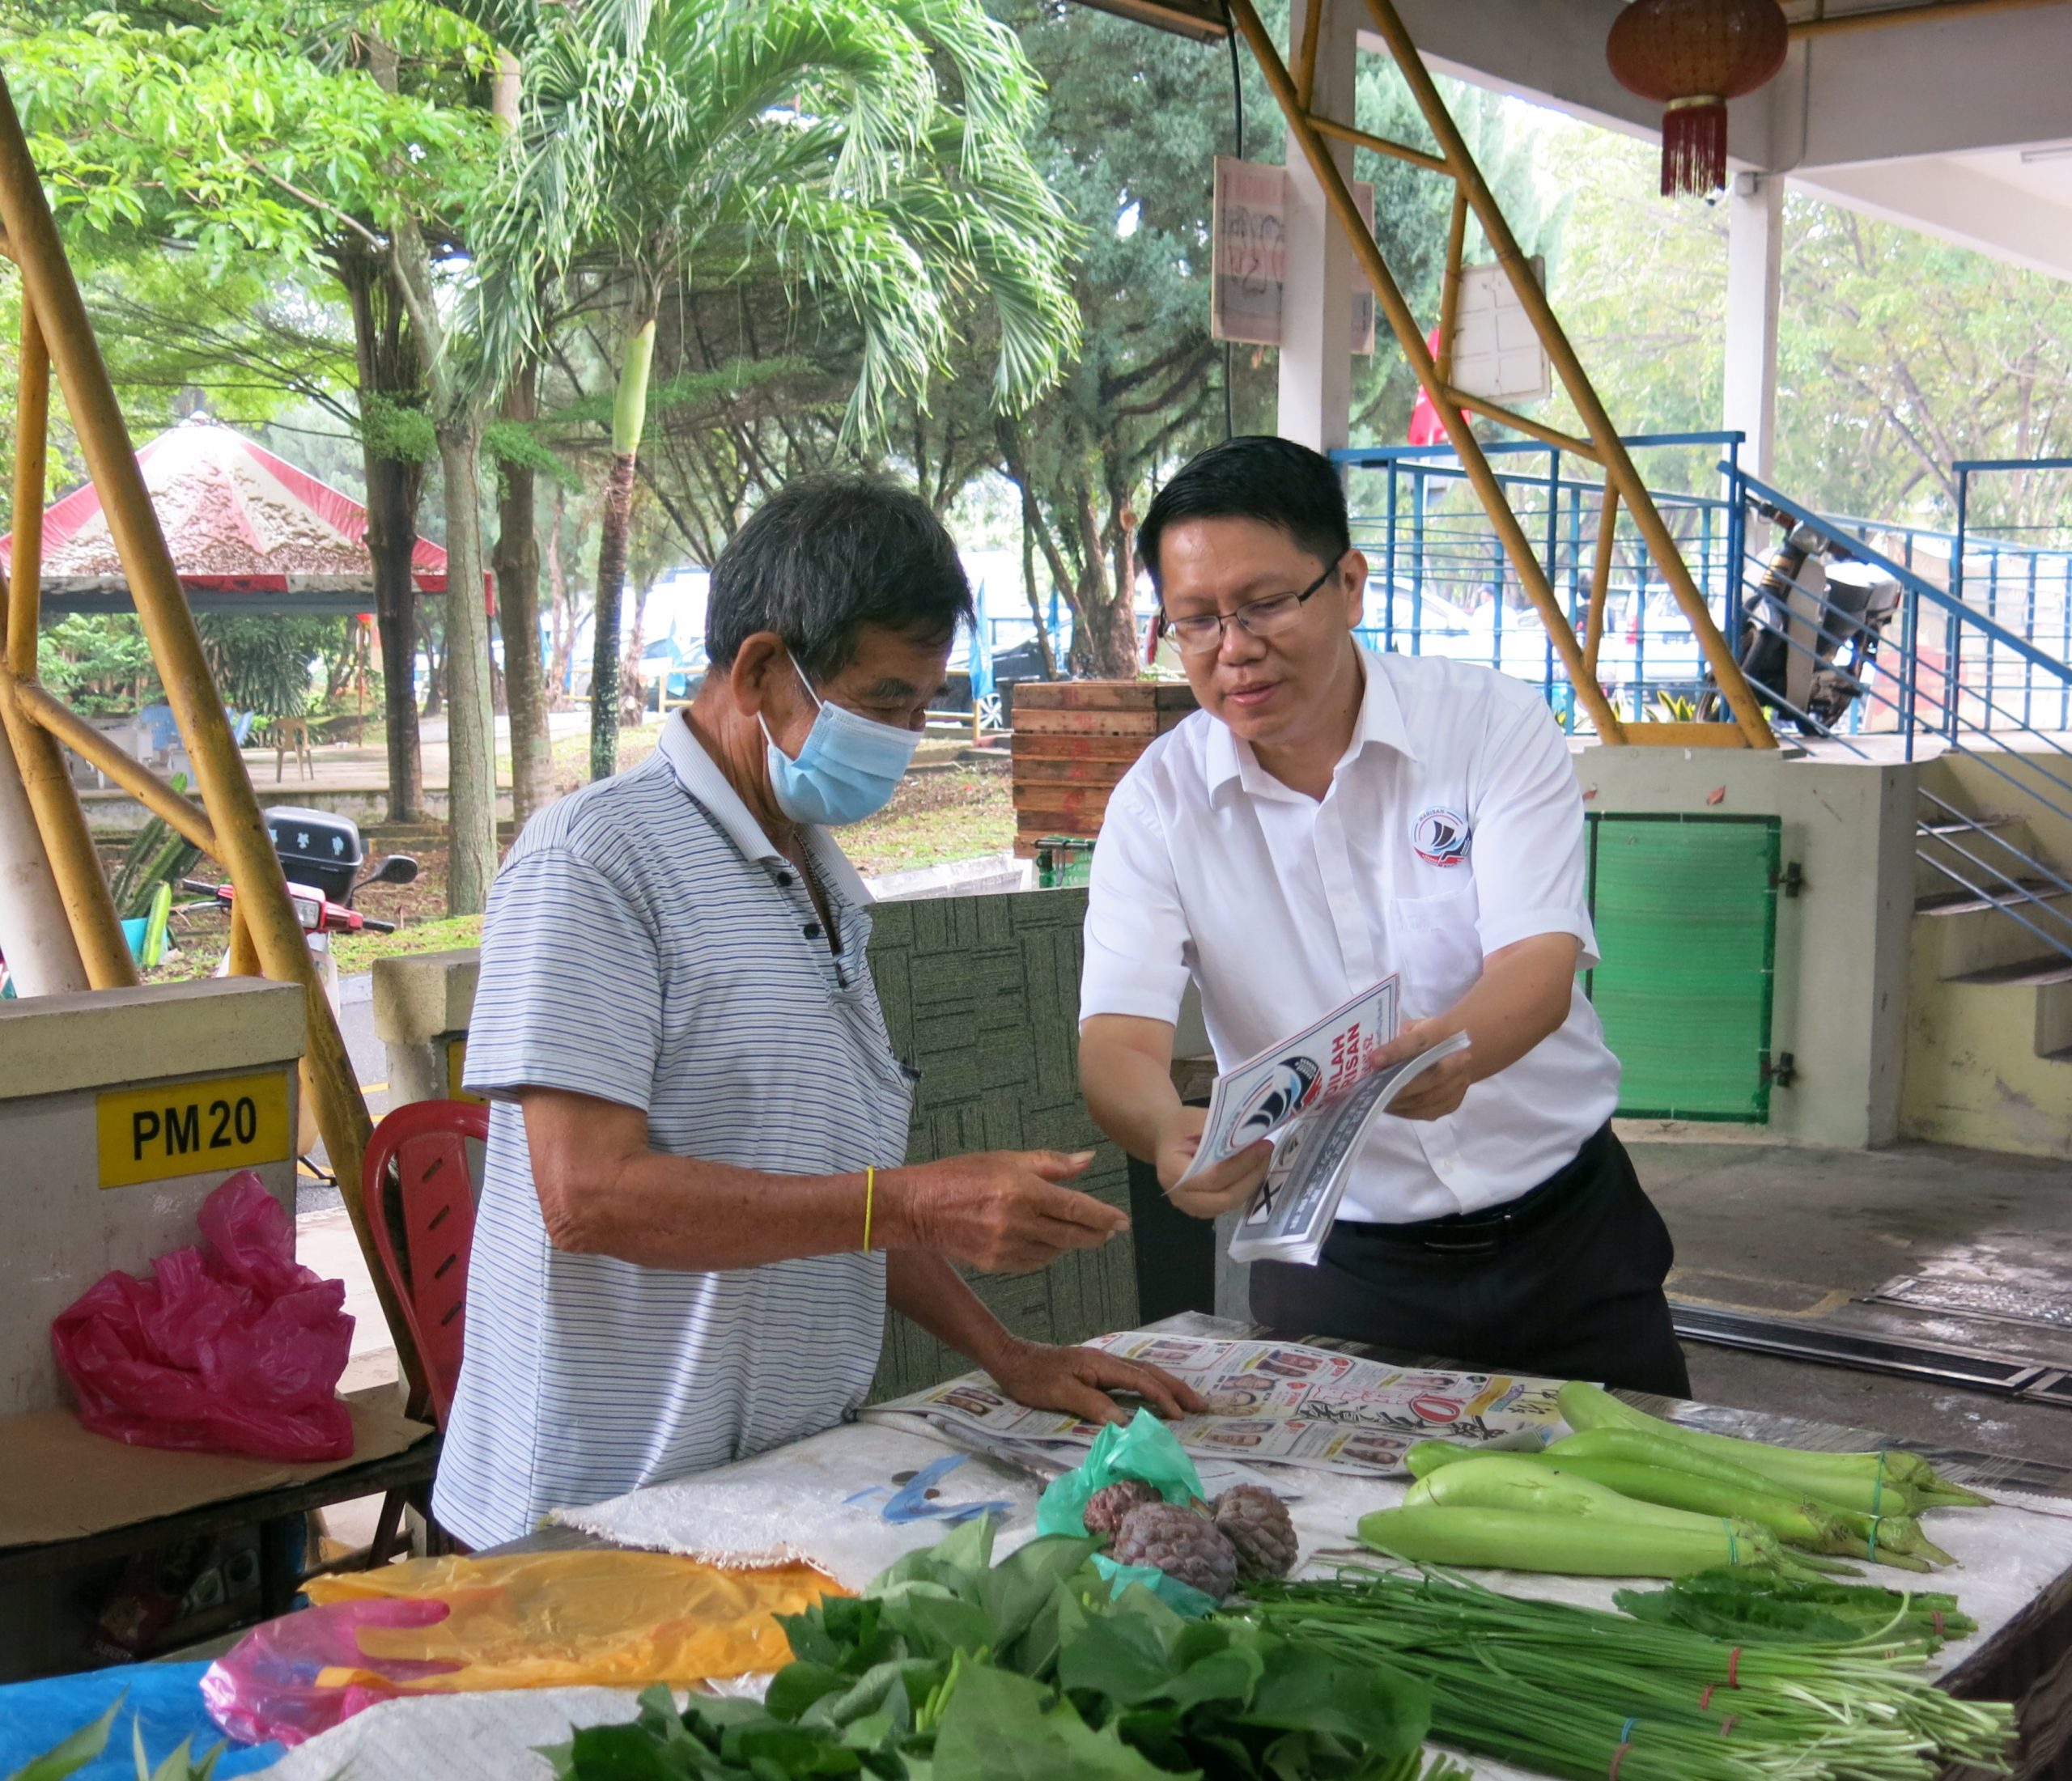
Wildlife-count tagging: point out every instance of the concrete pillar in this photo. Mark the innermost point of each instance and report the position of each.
(36, 935)
(423, 1003)
(1754, 237)
(1316, 314)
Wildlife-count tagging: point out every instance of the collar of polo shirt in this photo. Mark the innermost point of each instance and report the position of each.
(1227, 760)
(699, 775)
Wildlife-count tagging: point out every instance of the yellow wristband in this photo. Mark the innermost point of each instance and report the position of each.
(870, 1195)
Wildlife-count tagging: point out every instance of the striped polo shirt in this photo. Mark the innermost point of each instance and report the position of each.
(645, 943)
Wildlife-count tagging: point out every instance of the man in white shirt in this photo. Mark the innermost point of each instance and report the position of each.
(1330, 816)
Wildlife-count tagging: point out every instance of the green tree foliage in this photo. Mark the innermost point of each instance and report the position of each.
(1898, 353)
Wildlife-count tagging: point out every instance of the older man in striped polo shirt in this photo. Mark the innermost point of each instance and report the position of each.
(694, 1211)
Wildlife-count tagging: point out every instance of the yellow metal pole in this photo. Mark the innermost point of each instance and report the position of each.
(179, 813)
(225, 789)
(82, 885)
(243, 955)
(1618, 467)
(1380, 144)
(1600, 576)
(1305, 52)
(1531, 576)
(1450, 287)
(1523, 423)
(32, 438)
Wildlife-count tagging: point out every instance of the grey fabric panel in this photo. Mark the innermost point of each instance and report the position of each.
(981, 995)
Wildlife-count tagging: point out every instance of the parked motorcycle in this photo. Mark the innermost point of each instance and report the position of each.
(321, 857)
(1810, 628)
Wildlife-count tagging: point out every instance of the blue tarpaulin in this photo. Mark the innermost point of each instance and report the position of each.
(165, 1699)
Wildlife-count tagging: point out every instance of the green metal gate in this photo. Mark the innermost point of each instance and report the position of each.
(1686, 911)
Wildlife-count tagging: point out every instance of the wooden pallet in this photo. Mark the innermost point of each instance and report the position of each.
(1073, 741)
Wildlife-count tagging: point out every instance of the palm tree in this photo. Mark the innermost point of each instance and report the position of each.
(809, 140)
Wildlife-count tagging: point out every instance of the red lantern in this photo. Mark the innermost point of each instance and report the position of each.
(1693, 56)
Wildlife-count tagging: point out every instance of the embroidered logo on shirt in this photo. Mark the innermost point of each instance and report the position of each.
(1439, 836)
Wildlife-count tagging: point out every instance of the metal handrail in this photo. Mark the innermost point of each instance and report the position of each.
(1907, 579)
(2062, 948)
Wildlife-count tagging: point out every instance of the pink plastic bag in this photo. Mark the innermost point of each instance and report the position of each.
(290, 1678)
(233, 1347)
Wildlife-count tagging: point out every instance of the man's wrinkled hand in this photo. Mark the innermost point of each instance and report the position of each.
(1442, 1088)
(1231, 1184)
(1077, 1381)
(1000, 1211)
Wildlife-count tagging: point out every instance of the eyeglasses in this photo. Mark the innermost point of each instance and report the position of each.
(1198, 633)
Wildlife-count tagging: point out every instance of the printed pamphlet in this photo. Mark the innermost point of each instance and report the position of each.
(1271, 1404)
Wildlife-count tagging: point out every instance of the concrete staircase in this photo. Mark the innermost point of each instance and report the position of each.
(1989, 1015)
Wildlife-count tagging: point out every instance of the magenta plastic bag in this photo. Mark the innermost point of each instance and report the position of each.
(232, 1346)
(290, 1678)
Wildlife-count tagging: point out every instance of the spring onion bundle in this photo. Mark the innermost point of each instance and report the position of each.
(1586, 1693)
(1741, 1608)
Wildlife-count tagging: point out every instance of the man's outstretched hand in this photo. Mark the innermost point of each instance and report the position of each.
(1442, 1088)
(1078, 1380)
(1223, 1189)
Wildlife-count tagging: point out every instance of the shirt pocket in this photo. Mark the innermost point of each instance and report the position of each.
(1437, 948)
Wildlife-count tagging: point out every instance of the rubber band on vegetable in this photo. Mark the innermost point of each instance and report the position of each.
(1936, 1616)
(1705, 1698)
(1734, 1667)
(1619, 1755)
(1870, 1540)
(1728, 1723)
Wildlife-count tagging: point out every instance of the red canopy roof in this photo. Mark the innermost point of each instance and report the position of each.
(239, 521)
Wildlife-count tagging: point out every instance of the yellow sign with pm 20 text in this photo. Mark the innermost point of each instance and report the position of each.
(193, 1128)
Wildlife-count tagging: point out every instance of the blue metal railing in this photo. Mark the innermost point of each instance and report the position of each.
(1438, 583)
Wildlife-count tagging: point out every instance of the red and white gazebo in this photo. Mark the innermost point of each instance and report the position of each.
(248, 533)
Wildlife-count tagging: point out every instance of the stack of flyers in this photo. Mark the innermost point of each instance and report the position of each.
(1314, 1096)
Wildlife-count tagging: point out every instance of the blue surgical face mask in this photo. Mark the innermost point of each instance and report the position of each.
(848, 769)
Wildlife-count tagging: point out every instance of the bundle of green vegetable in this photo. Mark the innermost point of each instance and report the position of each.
(1889, 1483)
(952, 1668)
(1582, 1693)
(1629, 1495)
(1741, 1608)
(1516, 1512)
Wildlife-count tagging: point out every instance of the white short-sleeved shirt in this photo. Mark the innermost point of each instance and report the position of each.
(646, 945)
(1453, 826)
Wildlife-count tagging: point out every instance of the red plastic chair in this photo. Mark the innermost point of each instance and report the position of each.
(417, 1166)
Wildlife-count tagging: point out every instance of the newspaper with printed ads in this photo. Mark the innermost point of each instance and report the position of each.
(1314, 1095)
(1270, 1403)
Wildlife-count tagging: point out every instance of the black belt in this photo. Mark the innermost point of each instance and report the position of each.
(1489, 1230)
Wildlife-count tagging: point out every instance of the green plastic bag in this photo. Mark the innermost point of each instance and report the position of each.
(1144, 1450)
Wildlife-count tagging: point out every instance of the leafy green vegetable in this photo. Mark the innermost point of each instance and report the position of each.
(1730, 1606)
(74, 1753)
(953, 1668)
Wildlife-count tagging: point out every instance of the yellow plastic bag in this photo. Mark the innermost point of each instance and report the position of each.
(547, 1619)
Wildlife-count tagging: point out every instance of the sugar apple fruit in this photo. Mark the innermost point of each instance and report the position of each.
(1256, 1523)
(1182, 1542)
(1106, 1509)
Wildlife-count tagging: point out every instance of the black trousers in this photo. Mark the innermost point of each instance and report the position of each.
(1565, 1283)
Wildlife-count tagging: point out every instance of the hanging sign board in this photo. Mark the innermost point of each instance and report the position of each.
(1497, 353)
(1250, 259)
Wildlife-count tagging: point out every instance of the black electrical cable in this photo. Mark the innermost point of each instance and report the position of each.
(1238, 108)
